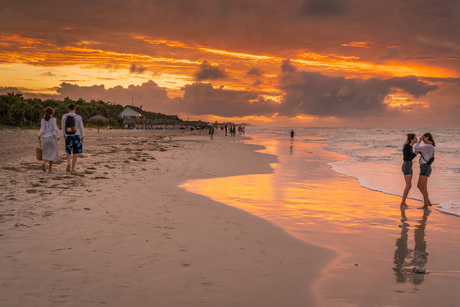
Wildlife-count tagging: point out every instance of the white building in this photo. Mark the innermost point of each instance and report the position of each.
(130, 112)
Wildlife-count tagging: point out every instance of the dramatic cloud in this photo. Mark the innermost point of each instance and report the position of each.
(354, 58)
(148, 94)
(411, 85)
(136, 68)
(202, 98)
(209, 72)
(317, 94)
(255, 72)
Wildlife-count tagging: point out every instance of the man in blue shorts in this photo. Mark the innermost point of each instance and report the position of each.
(72, 128)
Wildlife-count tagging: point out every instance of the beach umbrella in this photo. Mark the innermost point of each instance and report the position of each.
(98, 119)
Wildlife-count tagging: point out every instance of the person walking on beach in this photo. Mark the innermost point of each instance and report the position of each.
(426, 158)
(49, 136)
(72, 128)
(292, 134)
(408, 156)
(211, 133)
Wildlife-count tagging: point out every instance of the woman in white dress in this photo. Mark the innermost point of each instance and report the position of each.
(49, 135)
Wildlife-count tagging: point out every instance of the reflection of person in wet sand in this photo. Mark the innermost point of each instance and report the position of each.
(407, 265)
(420, 255)
(401, 252)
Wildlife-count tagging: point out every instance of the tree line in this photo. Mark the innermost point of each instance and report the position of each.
(15, 110)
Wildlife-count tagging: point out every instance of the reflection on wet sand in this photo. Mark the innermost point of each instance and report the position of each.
(410, 264)
(302, 194)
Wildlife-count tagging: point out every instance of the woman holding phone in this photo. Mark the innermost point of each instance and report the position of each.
(426, 158)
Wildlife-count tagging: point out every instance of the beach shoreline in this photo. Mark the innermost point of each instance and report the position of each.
(378, 244)
(123, 232)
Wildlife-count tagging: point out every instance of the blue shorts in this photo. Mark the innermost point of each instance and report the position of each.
(425, 170)
(407, 168)
(73, 144)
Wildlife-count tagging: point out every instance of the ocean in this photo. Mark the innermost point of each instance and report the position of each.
(374, 158)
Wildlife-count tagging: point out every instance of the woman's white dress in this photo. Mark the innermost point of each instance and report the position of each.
(49, 133)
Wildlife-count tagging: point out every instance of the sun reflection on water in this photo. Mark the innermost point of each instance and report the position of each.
(303, 193)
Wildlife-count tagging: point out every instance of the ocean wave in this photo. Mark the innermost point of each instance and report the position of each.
(452, 209)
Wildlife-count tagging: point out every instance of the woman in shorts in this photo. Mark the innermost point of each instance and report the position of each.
(408, 156)
(49, 136)
(426, 158)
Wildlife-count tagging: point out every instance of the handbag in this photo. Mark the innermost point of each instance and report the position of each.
(38, 151)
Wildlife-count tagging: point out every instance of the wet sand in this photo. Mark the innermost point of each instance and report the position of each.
(122, 233)
(378, 244)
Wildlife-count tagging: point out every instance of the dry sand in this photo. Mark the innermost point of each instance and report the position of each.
(123, 233)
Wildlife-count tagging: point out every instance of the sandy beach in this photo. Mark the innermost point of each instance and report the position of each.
(122, 233)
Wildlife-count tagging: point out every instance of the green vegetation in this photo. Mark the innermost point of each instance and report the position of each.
(15, 110)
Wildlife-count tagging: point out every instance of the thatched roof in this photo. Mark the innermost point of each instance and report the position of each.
(98, 119)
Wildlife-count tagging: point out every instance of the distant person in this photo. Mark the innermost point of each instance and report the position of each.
(49, 136)
(211, 133)
(72, 128)
(292, 134)
(426, 159)
(226, 128)
(408, 156)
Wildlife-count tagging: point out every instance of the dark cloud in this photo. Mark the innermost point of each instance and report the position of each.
(48, 74)
(313, 93)
(25, 93)
(148, 94)
(137, 69)
(203, 98)
(5, 90)
(209, 72)
(198, 99)
(411, 85)
(255, 72)
(420, 28)
(287, 67)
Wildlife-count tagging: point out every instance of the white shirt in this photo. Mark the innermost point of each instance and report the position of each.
(427, 152)
(79, 130)
(48, 128)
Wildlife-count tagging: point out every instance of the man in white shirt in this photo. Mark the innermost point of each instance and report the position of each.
(74, 132)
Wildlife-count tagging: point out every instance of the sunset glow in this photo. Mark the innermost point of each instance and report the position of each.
(244, 63)
(288, 203)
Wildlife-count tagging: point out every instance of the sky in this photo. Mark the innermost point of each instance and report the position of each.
(363, 63)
